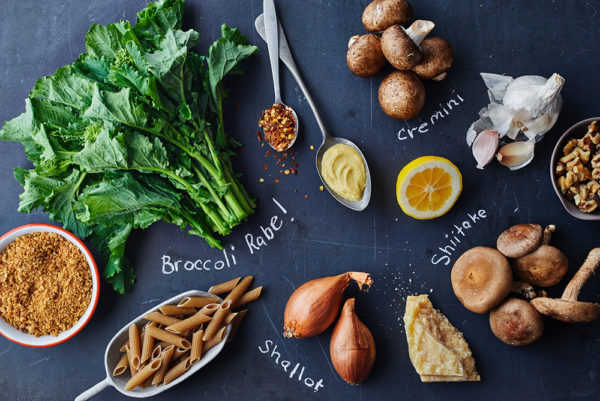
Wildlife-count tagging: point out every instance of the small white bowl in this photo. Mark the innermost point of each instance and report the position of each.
(29, 340)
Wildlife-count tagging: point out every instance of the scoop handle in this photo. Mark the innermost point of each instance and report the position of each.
(92, 391)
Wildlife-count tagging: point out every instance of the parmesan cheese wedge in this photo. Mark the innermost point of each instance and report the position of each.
(437, 350)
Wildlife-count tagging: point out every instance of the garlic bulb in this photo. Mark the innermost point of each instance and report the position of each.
(529, 104)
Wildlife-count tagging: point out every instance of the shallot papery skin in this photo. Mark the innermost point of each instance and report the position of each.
(313, 306)
(352, 346)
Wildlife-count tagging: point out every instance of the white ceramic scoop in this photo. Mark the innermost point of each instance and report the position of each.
(112, 356)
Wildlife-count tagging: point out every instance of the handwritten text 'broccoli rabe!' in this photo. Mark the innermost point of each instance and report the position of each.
(457, 233)
(226, 258)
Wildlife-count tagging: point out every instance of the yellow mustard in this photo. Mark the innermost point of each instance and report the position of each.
(344, 172)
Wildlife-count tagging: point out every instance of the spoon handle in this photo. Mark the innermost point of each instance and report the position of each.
(273, 44)
(286, 56)
(89, 393)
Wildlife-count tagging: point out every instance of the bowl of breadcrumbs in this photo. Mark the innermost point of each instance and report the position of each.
(49, 285)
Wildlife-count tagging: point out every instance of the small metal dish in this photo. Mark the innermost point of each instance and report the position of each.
(576, 131)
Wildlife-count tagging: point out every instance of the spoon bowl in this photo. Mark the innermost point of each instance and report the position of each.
(366, 197)
(112, 356)
(295, 129)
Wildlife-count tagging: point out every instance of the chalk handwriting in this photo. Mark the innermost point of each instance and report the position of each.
(170, 265)
(270, 349)
(457, 232)
(256, 242)
(441, 113)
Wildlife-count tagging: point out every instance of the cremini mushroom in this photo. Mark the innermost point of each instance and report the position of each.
(381, 14)
(401, 95)
(568, 309)
(364, 56)
(481, 279)
(401, 46)
(438, 57)
(516, 322)
(535, 262)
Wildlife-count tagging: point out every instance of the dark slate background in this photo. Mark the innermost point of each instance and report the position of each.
(514, 37)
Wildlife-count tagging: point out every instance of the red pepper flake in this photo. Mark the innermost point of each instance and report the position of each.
(286, 172)
(266, 167)
(306, 196)
(294, 171)
(279, 125)
(276, 179)
(259, 136)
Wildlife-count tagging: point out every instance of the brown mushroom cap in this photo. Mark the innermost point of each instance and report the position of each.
(481, 279)
(438, 57)
(520, 240)
(401, 95)
(516, 322)
(544, 267)
(399, 49)
(364, 56)
(381, 14)
(568, 309)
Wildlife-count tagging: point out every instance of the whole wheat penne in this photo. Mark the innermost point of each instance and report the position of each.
(132, 369)
(122, 365)
(217, 338)
(179, 352)
(134, 345)
(196, 302)
(249, 296)
(210, 309)
(229, 318)
(217, 319)
(177, 370)
(169, 337)
(196, 351)
(122, 348)
(189, 323)
(225, 287)
(158, 317)
(156, 352)
(236, 324)
(147, 344)
(239, 289)
(174, 310)
(143, 374)
(165, 357)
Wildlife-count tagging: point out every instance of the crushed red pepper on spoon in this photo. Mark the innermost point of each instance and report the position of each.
(279, 125)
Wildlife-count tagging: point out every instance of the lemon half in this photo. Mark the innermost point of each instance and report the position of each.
(428, 187)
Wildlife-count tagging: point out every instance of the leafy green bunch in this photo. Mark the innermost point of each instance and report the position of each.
(132, 133)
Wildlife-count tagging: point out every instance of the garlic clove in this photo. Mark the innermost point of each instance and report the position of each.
(485, 146)
(516, 155)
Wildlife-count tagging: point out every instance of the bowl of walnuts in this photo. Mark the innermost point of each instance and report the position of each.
(575, 169)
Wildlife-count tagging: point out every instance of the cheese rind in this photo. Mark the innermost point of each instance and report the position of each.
(437, 350)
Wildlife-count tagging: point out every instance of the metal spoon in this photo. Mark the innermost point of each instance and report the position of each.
(270, 28)
(328, 141)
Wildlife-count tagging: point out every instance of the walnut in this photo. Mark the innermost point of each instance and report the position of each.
(562, 184)
(584, 155)
(593, 186)
(571, 192)
(583, 173)
(569, 146)
(569, 156)
(573, 163)
(571, 178)
(596, 174)
(560, 168)
(596, 161)
(595, 138)
(586, 143)
(593, 127)
(588, 206)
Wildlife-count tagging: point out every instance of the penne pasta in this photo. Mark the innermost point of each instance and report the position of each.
(209, 309)
(250, 296)
(147, 344)
(177, 370)
(216, 339)
(196, 302)
(134, 345)
(239, 289)
(132, 369)
(169, 337)
(174, 310)
(229, 318)
(165, 357)
(179, 352)
(225, 287)
(156, 352)
(217, 319)
(122, 348)
(160, 318)
(122, 365)
(143, 374)
(189, 323)
(236, 324)
(196, 351)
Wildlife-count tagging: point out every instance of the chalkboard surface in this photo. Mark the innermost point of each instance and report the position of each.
(318, 236)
